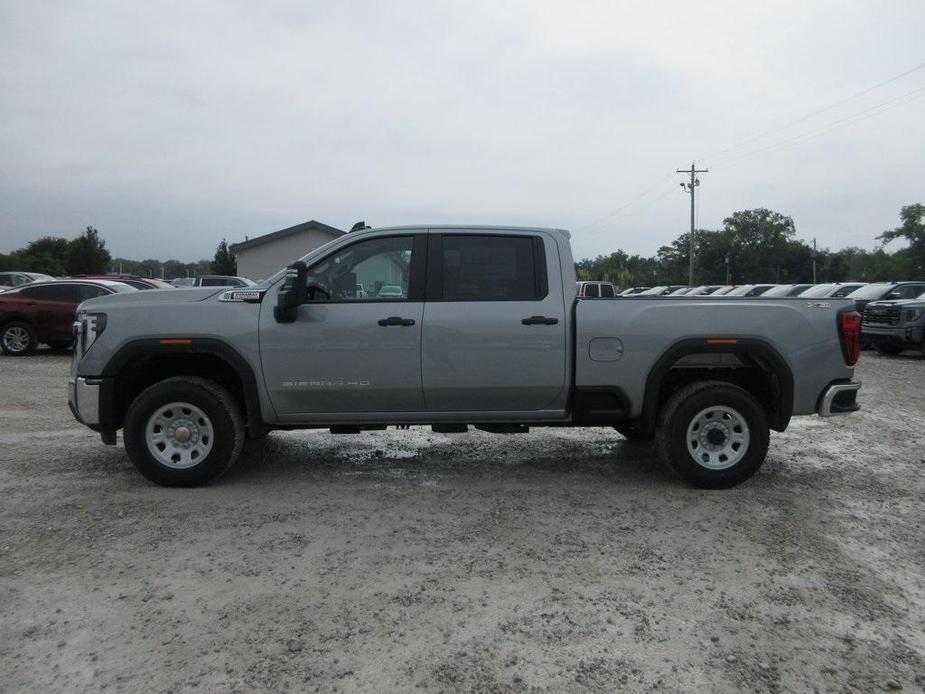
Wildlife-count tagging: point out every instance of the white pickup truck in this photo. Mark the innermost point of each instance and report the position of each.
(454, 327)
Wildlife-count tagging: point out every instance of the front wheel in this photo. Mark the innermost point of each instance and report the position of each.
(18, 339)
(713, 434)
(183, 432)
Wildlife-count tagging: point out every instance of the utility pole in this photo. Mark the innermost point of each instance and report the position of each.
(690, 188)
(814, 260)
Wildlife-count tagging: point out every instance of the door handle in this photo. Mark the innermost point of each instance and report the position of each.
(539, 320)
(396, 320)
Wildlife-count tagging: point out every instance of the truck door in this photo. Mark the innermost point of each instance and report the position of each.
(350, 350)
(495, 326)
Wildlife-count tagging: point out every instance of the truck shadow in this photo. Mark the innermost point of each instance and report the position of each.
(386, 458)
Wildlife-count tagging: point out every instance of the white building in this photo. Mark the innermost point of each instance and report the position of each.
(260, 257)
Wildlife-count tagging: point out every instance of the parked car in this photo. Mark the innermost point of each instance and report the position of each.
(222, 281)
(182, 282)
(390, 291)
(885, 290)
(831, 290)
(16, 278)
(44, 312)
(503, 346)
(896, 325)
(142, 283)
(681, 291)
(747, 290)
(663, 290)
(708, 289)
(595, 290)
(785, 290)
(633, 290)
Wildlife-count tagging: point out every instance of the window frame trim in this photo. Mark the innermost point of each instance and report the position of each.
(434, 285)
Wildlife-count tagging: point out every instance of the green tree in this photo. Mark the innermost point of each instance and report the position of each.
(912, 230)
(224, 263)
(46, 254)
(87, 254)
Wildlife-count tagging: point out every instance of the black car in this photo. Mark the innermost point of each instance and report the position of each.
(880, 291)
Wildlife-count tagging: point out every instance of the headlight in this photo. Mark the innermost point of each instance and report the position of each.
(87, 328)
(911, 315)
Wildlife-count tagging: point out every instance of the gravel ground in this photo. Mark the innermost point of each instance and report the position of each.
(562, 560)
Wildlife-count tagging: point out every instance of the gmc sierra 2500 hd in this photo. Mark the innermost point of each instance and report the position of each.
(454, 327)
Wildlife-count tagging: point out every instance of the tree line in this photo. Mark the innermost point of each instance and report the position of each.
(753, 246)
(760, 245)
(87, 255)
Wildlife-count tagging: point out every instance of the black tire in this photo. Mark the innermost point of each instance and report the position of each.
(633, 434)
(680, 411)
(887, 350)
(227, 430)
(11, 338)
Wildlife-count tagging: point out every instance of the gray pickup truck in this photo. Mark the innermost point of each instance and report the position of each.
(454, 327)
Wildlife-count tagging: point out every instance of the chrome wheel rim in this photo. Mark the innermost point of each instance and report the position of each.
(717, 437)
(179, 435)
(16, 339)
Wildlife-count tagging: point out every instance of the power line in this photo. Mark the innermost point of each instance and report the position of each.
(738, 159)
(627, 205)
(815, 113)
(882, 107)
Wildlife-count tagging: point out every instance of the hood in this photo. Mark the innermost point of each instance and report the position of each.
(900, 303)
(147, 298)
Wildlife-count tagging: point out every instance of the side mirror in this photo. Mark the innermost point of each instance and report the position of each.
(293, 293)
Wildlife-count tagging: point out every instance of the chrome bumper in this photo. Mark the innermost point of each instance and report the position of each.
(839, 398)
(83, 397)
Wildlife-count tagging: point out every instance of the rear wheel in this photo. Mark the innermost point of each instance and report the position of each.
(713, 434)
(183, 432)
(18, 338)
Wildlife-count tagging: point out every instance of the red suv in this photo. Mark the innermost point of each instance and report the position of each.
(44, 312)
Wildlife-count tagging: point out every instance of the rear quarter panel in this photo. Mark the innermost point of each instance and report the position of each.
(804, 333)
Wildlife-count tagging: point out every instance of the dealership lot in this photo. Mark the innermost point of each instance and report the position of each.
(558, 560)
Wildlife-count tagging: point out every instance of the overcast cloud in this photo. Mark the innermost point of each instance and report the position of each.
(170, 125)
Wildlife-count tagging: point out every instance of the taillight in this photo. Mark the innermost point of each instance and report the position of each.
(851, 336)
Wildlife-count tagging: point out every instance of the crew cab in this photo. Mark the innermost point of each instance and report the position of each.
(44, 312)
(484, 329)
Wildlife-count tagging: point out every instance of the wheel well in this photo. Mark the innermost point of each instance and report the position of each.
(147, 369)
(15, 318)
(756, 368)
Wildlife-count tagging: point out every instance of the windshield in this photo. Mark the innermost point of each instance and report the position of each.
(871, 291)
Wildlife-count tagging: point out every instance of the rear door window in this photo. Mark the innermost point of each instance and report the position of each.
(54, 292)
(493, 268)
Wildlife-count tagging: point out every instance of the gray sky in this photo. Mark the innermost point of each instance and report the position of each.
(170, 125)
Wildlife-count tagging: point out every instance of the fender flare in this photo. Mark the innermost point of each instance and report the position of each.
(200, 345)
(768, 355)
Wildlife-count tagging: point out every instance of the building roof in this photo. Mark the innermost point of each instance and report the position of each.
(310, 225)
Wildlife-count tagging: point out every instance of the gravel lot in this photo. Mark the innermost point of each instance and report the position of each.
(562, 560)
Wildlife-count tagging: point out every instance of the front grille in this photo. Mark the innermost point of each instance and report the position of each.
(881, 315)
